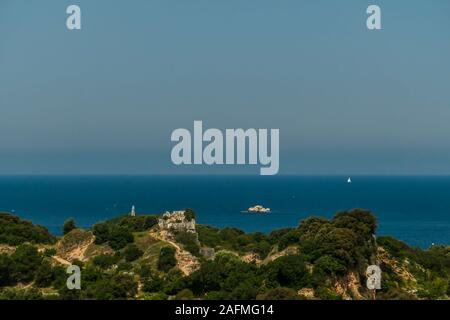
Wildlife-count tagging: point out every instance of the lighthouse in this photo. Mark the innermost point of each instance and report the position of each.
(133, 212)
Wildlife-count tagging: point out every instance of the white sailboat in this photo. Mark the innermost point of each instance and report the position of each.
(349, 180)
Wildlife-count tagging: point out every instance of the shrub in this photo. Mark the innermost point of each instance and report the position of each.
(132, 252)
(167, 259)
(189, 214)
(69, 225)
(14, 231)
(189, 242)
(6, 269)
(280, 293)
(119, 237)
(105, 261)
(26, 261)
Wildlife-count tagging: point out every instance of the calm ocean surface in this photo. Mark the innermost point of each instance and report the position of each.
(413, 209)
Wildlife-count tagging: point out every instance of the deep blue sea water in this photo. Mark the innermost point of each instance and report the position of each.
(414, 209)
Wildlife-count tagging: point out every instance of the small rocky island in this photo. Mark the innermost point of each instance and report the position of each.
(258, 209)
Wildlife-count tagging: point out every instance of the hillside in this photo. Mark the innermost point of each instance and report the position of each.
(169, 256)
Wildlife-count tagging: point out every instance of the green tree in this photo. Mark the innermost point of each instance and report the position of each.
(167, 259)
(189, 214)
(119, 237)
(105, 261)
(6, 269)
(184, 294)
(153, 284)
(288, 271)
(14, 231)
(69, 225)
(117, 286)
(101, 232)
(132, 252)
(26, 261)
(44, 275)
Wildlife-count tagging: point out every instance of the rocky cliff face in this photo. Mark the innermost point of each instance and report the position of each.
(176, 221)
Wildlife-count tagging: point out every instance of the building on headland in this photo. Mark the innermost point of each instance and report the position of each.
(176, 221)
(133, 211)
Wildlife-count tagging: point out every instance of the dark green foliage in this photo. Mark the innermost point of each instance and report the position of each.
(49, 252)
(289, 238)
(145, 271)
(101, 232)
(288, 271)
(280, 293)
(6, 269)
(119, 237)
(59, 277)
(184, 294)
(26, 261)
(167, 259)
(348, 239)
(14, 231)
(208, 236)
(395, 247)
(234, 239)
(106, 261)
(116, 236)
(189, 241)
(153, 284)
(230, 234)
(69, 225)
(234, 278)
(189, 214)
(327, 267)
(20, 294)
(44, 276)
(114, 287)
(134, 224)
(118, 231)
(395, 294)
(124, 266)
(132, 252)
(275, 236)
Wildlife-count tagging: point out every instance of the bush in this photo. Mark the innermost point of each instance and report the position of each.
(14, 231)
(119, 237)
(26, 261)
(132, 252)
(115, 287)
(288, 271)
(44, 276)
(189, 214)
(167, 259)
(280, 293)
(49, 252)
(184, 294)
(20, 294)
(101, 232)
(6, 269)
(189, 242)
(105, 261)
(153, 284)
(69, 225)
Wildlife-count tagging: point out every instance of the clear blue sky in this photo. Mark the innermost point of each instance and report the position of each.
(106, 99)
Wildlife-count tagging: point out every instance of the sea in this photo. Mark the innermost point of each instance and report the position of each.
(414, 209)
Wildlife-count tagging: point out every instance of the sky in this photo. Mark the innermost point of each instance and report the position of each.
(105, 99)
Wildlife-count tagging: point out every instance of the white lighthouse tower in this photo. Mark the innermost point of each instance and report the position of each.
(133, 212)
